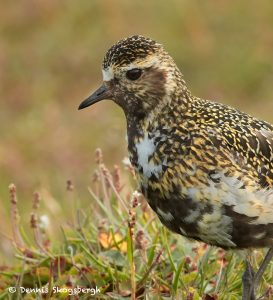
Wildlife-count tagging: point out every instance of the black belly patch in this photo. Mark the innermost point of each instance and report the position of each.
(179, 208)
(175, 212)
(246, 233)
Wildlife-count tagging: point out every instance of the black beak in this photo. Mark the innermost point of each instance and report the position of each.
(100, 94)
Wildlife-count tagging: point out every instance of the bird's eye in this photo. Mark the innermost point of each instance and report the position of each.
(133, 74)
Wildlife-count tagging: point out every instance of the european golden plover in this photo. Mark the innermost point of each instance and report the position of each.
(205, 168)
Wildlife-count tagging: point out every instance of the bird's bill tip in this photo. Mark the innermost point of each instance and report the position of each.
(100, 94)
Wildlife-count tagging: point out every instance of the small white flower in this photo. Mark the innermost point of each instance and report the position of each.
(44, 222)
(126, 162)
(136, 194)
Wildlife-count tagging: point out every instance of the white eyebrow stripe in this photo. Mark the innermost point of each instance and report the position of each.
(107, 74)
(130, 67)
(142, 64)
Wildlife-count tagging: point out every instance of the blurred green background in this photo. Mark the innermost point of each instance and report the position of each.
(50, 58)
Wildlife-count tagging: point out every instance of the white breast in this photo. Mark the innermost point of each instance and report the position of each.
(145, 148)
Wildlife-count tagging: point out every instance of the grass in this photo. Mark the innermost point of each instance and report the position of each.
(50, 58)
(117, 245)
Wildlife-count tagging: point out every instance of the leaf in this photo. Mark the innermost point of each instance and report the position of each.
(121, 296)
(114, 257)
(112, 241)
(43, 273)
(177, 274)
(210, 297)
(60, 264)
(187, 279)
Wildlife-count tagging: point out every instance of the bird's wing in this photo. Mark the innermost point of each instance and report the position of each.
(252, 147)
(246, 140)
(246, 190)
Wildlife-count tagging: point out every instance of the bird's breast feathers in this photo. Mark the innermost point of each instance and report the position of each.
(220, 206)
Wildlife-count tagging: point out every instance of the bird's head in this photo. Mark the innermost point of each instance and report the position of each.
(139, 75)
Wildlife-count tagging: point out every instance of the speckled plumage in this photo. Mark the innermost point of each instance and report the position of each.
(205, 168)
(208, 169)
(127, 51)
(216, 174)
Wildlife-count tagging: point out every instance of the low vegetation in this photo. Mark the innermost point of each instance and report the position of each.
(117, 249)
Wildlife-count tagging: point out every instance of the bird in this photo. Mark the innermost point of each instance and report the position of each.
(205, 168)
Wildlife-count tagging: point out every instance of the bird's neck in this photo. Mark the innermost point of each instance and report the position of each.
(162, 115)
